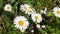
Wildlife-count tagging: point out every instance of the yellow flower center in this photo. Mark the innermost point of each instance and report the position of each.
(8, 7)
(36, 17)
(21, 23)
(58, 11)
(25, 7)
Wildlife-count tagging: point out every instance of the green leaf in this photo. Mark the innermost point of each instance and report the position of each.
(57, 21)
(1, 4)
(52, 30)
(49, 14)
(57, 31)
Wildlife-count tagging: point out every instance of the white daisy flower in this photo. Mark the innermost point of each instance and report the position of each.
(7, 7)
(38, 25)
(43, 26)
(32, 30)
(43, 11)
(36, 17)
(56, 11)
(24, 7)
(21, 23)
(29, 12)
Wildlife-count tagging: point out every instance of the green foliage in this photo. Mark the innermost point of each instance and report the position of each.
(52, 23)
(49, 14)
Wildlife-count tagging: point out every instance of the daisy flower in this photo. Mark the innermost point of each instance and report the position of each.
(38, 25)
(32, 30)
(36, 17)
(43, 11)
(21, 23)
(56, 11)
(43, 26)
(29, 12)
(24, 7)
(7, 7)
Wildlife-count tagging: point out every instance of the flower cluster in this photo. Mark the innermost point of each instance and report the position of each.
(22, 23)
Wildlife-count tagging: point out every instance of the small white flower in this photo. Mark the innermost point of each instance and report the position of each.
(56, 11)
(43, 11)
(24, 7)
(43, 26)
(21, 23)
(29, 12)
(27, 9)
(36, 17)
(38, 25)
(32, 30)
(7, 7)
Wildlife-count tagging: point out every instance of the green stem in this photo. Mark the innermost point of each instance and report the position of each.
(22, 32)
(36, 22)
(32, 33)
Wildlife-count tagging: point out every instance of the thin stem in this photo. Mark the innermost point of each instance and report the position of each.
(22, 32)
